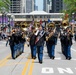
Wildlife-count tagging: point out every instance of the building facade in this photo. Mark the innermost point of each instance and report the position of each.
(29, 6)
(57, 6)
(15, 6)
(22, 6)
(53, 6)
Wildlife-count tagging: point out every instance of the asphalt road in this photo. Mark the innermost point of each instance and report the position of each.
(24, 65)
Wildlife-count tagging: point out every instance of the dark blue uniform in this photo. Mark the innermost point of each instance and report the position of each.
(32, 45)
(68, 45)
(40, 38)
(52, 42)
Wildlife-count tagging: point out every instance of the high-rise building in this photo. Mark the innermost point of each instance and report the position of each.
(29, 6)
(47, 5)
(57, 6)
(53, 6)
(15, 6)
(44, 5)
(36, 8)
(22, 6)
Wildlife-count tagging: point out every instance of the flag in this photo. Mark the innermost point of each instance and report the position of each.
(49, 21)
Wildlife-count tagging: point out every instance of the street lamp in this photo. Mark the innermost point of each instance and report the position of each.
(10, 19)
(9, 23)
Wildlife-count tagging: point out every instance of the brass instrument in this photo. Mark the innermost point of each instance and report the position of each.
(24, 26)
(51, 24)
(36, 24)
(51, 27)
(50, 35)
(65, 22)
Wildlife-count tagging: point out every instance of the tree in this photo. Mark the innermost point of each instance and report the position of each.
(5, 4)
(71, 7)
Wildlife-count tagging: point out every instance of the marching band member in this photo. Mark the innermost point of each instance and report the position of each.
(32, 38)
(51, 40)
(68, 44)
(40, 38)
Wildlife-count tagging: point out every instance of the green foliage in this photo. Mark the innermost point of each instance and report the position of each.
(71, 7)
(5, 4)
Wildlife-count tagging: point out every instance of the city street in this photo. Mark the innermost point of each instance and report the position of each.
(24, 65)
(35, 21)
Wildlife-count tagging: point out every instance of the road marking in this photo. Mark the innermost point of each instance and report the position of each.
(73, 49)
(4, 61)
(50, 70)
(15, 64)
(1, 61)
(47, 70)
(31, 67)
(58, 58)
(73, 59)
(26, 66)
(67, 70)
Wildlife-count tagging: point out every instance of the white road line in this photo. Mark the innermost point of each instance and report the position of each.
(73, 49)
(58, 58)
(73, 59)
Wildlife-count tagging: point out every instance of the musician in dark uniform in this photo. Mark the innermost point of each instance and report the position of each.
(75, 35)
(40, 38)
(11, 42)
(32, 38)
(51, 40)
(68, 43)
(62, 40)
(52, 43)
(22, 41)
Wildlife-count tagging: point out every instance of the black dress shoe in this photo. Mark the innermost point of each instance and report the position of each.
(53, 57)
(69, 58)
(40, 62)
(34, 57)
(50, 57)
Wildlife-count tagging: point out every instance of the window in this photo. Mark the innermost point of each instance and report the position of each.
(40, 16)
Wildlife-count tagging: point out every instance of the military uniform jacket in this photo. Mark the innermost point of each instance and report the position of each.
(32, 37)
(68, 40)
(42, 39)
(52, 40)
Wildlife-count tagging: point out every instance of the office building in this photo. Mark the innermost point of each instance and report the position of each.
(15, 6)
(22, 6)
(53, 6)
(29, 6)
